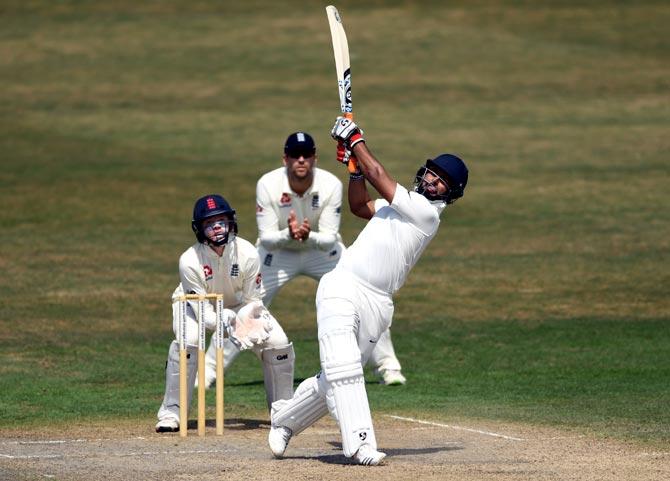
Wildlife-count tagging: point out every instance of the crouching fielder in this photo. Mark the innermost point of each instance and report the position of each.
(354, 301)
(222, 263)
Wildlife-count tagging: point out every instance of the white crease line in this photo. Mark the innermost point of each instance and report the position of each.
(119, 455)
(53, 441)
(460, 428)
(39, 456)
(61, 441)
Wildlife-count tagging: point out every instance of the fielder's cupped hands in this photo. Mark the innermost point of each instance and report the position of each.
(299, 232)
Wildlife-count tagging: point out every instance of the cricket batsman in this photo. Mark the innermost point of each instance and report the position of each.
(354, 301)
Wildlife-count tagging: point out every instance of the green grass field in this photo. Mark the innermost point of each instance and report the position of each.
(544, 298)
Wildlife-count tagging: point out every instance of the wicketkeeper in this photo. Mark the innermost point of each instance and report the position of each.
(220, 262)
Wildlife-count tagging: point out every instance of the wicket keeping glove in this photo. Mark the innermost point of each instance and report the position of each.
(251, 327)
(346, 131)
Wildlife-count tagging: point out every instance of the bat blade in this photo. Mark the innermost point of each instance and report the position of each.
(341, 54)
(342, 66)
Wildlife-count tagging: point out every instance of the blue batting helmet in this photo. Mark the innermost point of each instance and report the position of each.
(451, 169)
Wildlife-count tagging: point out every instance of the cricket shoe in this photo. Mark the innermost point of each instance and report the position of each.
(278, 440)
(167, 425)
(367, 456)
(392, 377)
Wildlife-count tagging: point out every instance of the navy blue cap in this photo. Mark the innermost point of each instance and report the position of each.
(300, 142)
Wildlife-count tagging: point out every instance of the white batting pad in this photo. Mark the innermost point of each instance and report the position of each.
(346, 398)
(278, 366)
(170, 406)
(306, 407)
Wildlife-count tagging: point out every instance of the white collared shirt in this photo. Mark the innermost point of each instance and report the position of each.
(393, 240)
(321, 204)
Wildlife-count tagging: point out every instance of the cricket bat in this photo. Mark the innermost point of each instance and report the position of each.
(342, 67)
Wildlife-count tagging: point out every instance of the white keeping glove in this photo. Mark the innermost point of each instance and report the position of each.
(251, 326)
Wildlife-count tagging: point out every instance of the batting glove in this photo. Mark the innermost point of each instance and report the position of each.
(344, 155)
(346, 131)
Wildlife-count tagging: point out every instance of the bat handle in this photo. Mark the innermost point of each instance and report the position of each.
(352, 165)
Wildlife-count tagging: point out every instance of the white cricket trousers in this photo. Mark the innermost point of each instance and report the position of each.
(344, 301)
(281, 265)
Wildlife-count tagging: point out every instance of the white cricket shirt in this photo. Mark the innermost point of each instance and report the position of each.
(321, 204)
(236, 274)
(392, 241)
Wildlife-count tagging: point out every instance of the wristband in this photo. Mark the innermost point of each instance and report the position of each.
(356, 176)
(356, 138)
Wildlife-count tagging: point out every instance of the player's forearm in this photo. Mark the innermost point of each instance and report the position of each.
(374, 172)
(359, 199)
(321, 240)
(276, 239)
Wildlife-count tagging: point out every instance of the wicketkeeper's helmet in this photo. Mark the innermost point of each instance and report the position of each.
(210, 206)
(448, 167)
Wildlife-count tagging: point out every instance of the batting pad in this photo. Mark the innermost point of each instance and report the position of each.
(306, 407)
(346, 398)
(170, 406)
(278, 366)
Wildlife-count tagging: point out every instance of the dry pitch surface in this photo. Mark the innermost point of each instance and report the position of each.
(417, 450)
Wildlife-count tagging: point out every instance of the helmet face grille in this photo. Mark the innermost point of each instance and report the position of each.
(421, 185)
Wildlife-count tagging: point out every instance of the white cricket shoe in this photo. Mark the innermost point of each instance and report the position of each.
(278, 440)
(393, 378)
(167, 425)
(367, 456)
(210, 379)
